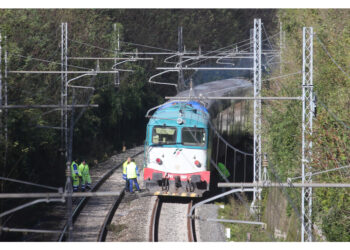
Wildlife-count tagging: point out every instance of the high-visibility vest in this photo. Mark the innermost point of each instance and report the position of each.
(84, 170)
(74, 168)
(131, 170)
(124, 166)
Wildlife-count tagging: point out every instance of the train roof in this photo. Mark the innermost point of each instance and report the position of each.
(186, 113)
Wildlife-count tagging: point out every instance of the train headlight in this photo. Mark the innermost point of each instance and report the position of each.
(159, 161)
(179, 121)
(197, 163)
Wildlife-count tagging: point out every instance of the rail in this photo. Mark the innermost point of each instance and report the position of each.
(84, 200)
(104, 229)
(154, 222)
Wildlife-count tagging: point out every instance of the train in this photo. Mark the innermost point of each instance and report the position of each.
(176, 149)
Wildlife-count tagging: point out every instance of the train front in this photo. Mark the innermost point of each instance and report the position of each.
(176, 150)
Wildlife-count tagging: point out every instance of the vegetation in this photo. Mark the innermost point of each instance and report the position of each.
(236, 210)
(35, 154)
(330, 129)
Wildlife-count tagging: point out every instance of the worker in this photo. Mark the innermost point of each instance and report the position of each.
(132, 173)
(85, 176)
(75, 175)
(124, 173)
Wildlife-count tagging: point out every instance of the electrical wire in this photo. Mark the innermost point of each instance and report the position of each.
(322, 172)
(329, 55)
(108, 50)
(91, 45)
(28, 183)
(147, 46)
(267, 37)
(48, 61)
(282, 76)
(220, 50)
(211, 52)
(333, 115)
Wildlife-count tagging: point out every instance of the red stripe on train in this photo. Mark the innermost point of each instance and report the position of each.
(147, 174)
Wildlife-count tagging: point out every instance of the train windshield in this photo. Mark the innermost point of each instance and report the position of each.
(193, 137)
(164, 135)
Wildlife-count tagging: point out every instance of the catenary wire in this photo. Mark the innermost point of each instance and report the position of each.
(48, 61)
(329, 55)
(147, 46)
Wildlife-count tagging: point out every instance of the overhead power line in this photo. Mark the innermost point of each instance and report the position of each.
(48, 61)
(329, 55)
(321, 172)
(147, 46)
(109, 50)
(334, 116)
(28, 183)
(282, 76)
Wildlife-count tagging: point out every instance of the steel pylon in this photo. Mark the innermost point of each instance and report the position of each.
(257, 113)
(307, 113)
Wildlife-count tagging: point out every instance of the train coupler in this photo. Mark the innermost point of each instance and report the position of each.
(165, 184)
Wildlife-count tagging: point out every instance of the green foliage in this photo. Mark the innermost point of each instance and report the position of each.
(235, 210)
(330, 137)
(336, 224)
(35, 153)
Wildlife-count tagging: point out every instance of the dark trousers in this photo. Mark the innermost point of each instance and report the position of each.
(127, 184)
(132, 184)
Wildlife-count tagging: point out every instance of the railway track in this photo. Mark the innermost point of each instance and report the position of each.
(92, 215)
(169, 221)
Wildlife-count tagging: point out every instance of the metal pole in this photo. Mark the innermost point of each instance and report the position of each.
(3, 172)
(0, 80)
(116, 50)
(232, 191)
(66, 72)
(69, 190)
(5, 103)
(266, 98)
(180, 51)
(71, 128)
(266, 184)
(233, 221)
(234, 165)
(65, 58)
(27, 230)
(115, 58)
(64, 123)
(257, 112)
(307, 85)
(29, 183)
(57, 194)
(49, 106)
(62, 87)
(200, 68)
(28, 205)
(280, 48)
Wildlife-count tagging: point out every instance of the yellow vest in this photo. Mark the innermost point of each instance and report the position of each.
(125, 164)
(84, 170)
(131, 170)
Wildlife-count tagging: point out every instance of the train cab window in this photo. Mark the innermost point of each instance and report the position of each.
(193, 137)
(164, 135)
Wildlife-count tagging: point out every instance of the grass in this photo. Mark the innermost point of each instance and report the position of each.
(235, 210)
(116, 228)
